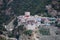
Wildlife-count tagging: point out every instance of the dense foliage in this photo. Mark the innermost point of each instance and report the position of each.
(28, 32)
(58, 25)
(34, 6)
(21, 27)
(44, 31)
(2, 28)
(15, 23)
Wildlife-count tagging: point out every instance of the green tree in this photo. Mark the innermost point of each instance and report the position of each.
(34, 6)
(2, 28)
(15, 23)
(44, 31)
(28, 32)
(21, 27)
(57, 24)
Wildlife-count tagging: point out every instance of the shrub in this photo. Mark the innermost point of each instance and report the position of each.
(28, 32)
(44, 31)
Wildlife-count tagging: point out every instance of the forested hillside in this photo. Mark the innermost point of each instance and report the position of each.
(34, 6)
(9, 8)
(18, 7)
